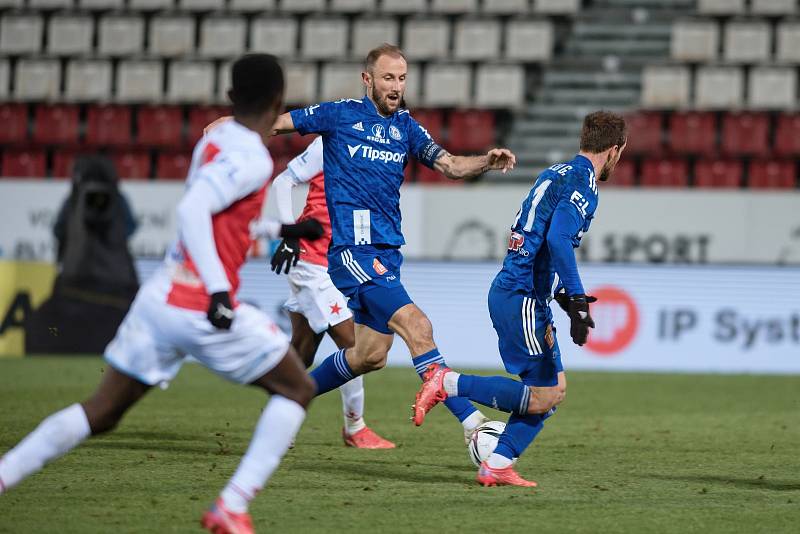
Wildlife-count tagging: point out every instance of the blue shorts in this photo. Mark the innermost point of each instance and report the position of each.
(526, 337)
(369, 276)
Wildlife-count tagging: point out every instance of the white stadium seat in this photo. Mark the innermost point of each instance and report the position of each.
(720, 7)
(477, 39)
(69, 35)
(302, 6)
(274, 35)
(772, 88)
(120, 35)
(223, 82)
(139, 81)
(694, 40)
(557, 7)
(324, 38)
(747, 41)
(201, 5)
(368, 33)
(50, 4)
(788, 42)
(665, 87)
(719, 87)
(21, 34)
(171, 36)
(301, 83)
(5, 78)
(100, 5)
(252, 5)
(353, 6)
(404, 6)
(150, 5)
(341, 80)
(4, 4)
(413, 85)
(191, 82)
(447, 84)
(222, 37)
(529, 40)
(500, 86)
(37, 79)
(506, 7)
(454, 6)
(426, 38)
(773, 7)
(88, 80)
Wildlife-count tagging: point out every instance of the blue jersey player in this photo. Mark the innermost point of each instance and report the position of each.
(539, 266)
(367, 145)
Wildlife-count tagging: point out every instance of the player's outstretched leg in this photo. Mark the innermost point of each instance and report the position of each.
(64, 430)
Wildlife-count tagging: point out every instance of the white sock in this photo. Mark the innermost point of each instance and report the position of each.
(451, 383)
(275, 430)
(55, 436)
(474, 420)
(353, 405)
(497, 461)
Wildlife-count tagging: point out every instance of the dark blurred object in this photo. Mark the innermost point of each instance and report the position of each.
(97, 280)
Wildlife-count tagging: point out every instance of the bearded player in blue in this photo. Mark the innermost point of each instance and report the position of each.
(367, 144)
(539, 267)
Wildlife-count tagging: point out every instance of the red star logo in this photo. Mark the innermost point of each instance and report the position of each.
(335, 308)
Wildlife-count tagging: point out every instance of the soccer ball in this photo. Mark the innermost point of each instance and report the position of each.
(484, 440)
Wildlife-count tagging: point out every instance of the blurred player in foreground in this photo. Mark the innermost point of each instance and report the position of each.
(366, 146)
(189, 307)
(539, 266)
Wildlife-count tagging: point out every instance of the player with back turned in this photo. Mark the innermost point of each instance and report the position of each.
(540, 266)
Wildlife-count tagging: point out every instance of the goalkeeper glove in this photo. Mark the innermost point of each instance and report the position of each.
(287, 254)
(220, 311)
(563, 300)
(580, 320)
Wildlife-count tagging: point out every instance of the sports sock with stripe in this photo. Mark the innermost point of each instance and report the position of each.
(497, 392)
(459, 407)
(520, 432)
(333, 372)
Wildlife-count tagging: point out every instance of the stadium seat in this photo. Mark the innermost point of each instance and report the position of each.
(788, 42)
(413, 94)
(11, 4)
(296, 143)
(100, 5)
(151, 5)
(324, 38)
(354, 6)
(404, 6)
(139, 81)
(471, 131)
(133, 164)
(69, 35)
(529, 40)
(341, 80)
(447, 85)
(279, 164)
(37, 79)
(301, 83)
(63, 162)
(505, 7)
(171, 36)
(21, 34)
(665, 87)
(433, 121)
(47, 4)
(426, 38)
(692, 132)
(718, 173)
(720, 7)
(191, 82)
(88, 80)
(369, 33)
(57, 124)
(120, 35)
(745, 134)
(108, 126)
(664, 173)
(771, 88)
(173, 165)
(29, 163)
(645, 133)
(5, 79)
(202, 116)
(787, 135)
(276, 36)
(624, 174)
(160, 126)
(302, 6)
(14, 118)
(747, 41)
(719, 87)
(500, 86)
(694, 40)
(557, 7)
(222, 37)
(251, 6)
(425, 175)
(771, 174)
(477, 39)
(454, 7)
(201, 5)
(773, 7)
(224, 82)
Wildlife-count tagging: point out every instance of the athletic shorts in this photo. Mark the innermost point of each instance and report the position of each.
(155, 338)
(369, 276)
(526, 337)
(313, 295)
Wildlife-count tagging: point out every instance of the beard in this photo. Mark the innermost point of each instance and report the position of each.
(608, 168)
(386, 106)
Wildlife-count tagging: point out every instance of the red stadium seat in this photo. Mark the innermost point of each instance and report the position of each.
(787, 135)
(134, 164)
(624, 174)
(63, 161)
(160, 126)
(173, 165)
(279, 164)
(745, 133)
(56, 124)
(693, 132)
(470, 131)
(644, 133)
(772, 174)
(14, 118)
(108, 126)
(202, 116)
(296, 143)
(433, 121)
(25, 163)
(718, 173)
(665, 173)
(429, 176)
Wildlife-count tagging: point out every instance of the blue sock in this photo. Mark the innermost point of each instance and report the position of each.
(498, 392)
(458, 406)
(332, 373)
(519, 433)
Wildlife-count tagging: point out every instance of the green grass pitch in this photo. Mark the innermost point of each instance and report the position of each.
(625, 453)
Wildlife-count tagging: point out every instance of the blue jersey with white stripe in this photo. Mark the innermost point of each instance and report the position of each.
(553, 217)
(365, 155)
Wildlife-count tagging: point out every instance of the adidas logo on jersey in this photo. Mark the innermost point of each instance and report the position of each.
(358, 126)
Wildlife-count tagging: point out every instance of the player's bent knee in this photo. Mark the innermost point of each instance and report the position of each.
(543, 399)
(374, 362)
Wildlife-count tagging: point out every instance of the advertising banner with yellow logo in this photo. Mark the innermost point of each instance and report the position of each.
(23, 287)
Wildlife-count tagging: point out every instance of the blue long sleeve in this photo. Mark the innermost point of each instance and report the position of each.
(564, 225)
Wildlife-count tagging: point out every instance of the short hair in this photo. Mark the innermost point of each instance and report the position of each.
(602, 130)
(257, 81)
(385, 49)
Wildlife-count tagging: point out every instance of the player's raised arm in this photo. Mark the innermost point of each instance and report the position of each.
(459, 167)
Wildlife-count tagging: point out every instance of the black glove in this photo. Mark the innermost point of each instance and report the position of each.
(287, 253)
(580, 320)
(309, 229)
(563, 300)
(220, 311)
